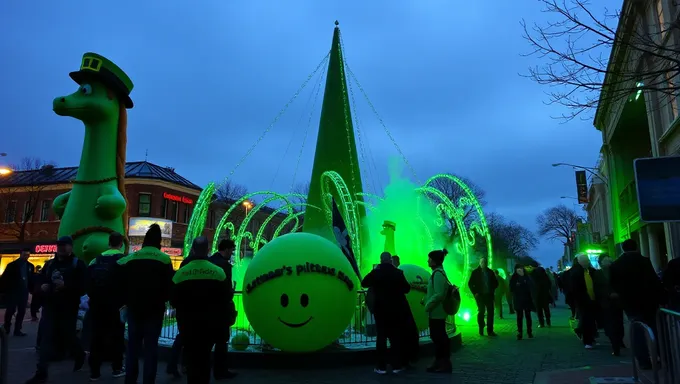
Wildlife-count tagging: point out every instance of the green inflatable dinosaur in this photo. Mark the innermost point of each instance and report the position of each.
(96, 205)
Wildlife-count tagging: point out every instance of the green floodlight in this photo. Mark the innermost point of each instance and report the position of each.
(594, 251)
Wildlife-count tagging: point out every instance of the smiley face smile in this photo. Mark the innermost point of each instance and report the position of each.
(298, 325)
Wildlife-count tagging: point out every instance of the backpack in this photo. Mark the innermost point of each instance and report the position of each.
(101, 273)
(451, 302)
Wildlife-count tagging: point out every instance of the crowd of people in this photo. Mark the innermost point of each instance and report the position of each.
(133, 289)
(628, 285)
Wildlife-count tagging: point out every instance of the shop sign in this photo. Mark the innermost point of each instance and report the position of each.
(179, 199)
(139, 226)
(168, 250)
(45, 248)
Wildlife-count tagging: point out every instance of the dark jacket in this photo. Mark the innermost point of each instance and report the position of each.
(390, 288)
(578, 285)
(145, 278)
(12, 282)
(671, 282)
(199, 294)
(521, 288)
(226, 266)
(633, 278)
(542, 286)
(73, 272)
(476, 282)
(106, 296)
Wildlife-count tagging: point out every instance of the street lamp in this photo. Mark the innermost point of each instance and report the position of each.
(247, 205)
(4, 171)
(568, 197)
(593, 171)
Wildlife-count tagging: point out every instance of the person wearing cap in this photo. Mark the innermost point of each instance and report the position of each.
(108, 341)
(201, 295)
(144, 279)
(63, 284)
(17, 281)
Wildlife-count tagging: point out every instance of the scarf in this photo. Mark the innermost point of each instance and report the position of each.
(589, 284)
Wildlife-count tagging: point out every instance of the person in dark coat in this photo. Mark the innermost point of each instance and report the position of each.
(565, 282)
(583, 284)
(176, 356)
(201, 296)
(542, 295)
(391, 311)
(107, 331)
(612, 313)
(17, 282)
(483, 284)
(222, 258)
(63, 284)
(521, 287)
(634, 281)
(145, 279)
(671, 282)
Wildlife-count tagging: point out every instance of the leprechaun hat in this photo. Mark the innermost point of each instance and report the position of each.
(100, 68)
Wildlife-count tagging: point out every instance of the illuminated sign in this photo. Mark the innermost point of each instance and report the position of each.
(179, 199)
(45, 248)
(139, 226)
(167, 250)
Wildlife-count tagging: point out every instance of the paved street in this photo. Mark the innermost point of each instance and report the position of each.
(502, 360)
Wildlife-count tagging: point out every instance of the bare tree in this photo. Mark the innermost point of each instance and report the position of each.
(19, 203)
(510, 240)
(454, 192)
(302, 189)
(576, 44)
(557, 223)
(229, 192)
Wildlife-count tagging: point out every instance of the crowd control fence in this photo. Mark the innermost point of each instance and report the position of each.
(4, 355)
(361, 329)
(668, 327)
(637, 327)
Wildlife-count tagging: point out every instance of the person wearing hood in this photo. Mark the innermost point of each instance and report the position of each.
(222, 258)
(583, 283)
(521, 287)
(635, 283)
(62, 284)
(144, 279)
(107, 336)
(201, 296)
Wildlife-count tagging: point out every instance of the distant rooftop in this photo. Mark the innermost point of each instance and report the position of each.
(133, 170)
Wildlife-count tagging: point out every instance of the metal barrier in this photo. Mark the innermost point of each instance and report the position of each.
(668, 327)
(357, 333)
(4, 356)
(638, 326)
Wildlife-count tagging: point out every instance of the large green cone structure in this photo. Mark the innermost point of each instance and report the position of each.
(335, 146)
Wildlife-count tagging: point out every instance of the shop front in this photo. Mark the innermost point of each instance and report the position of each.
(40, 253)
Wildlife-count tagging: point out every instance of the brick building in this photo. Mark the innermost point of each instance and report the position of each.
(154, 194)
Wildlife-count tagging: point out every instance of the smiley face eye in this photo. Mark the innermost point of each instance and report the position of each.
(86, 89)
(284, 300)
(304, 300)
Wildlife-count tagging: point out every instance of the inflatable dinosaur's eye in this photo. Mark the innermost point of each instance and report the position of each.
(86, 89)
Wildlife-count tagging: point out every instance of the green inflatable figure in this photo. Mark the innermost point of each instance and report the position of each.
(96, 205)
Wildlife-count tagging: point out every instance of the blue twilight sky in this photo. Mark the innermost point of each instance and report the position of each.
(210, 76)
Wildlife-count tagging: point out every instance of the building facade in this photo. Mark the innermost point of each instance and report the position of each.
(155, 194)
(642, 125)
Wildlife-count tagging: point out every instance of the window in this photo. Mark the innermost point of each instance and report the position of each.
(171, 210)
(28, 211)
(187, 213)
(45, 210)
(144, 205)
(11, 212)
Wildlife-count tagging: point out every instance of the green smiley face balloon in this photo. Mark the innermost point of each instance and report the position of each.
(299, 292)
(418, 277)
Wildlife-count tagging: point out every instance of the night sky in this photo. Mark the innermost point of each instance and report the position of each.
(210, 77)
